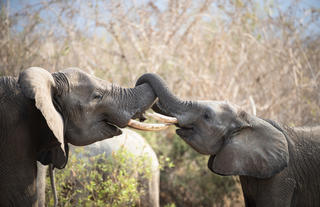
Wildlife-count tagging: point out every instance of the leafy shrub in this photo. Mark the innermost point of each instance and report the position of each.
(100, 180)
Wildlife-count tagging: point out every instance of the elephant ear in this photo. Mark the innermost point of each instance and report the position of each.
(260, 151)
(38, 84)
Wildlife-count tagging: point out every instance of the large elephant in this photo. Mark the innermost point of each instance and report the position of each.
(41, 112)
(132, 143)
(277, 165)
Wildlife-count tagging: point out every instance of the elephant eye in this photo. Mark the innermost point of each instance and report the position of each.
(97, 95)
(206, 116)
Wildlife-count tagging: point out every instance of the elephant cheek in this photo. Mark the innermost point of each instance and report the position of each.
(202, 149)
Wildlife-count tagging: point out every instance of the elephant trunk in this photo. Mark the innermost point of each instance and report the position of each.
(142, 98)
(132, 102)
(168, 103)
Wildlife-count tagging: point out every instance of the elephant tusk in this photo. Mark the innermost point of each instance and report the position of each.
(163, 118)
(147, 127)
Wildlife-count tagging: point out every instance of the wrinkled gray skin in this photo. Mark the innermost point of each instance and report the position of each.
(136, 145)
(41, 112)
(278, 166)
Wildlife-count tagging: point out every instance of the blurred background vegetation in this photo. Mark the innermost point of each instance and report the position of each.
(101, 181)
(263, 55)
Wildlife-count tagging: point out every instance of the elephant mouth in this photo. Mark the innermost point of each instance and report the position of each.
(112, 128)
(185, 132)
(191, 136)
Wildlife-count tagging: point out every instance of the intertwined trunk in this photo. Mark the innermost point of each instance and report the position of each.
(131, 102)
(168, 103)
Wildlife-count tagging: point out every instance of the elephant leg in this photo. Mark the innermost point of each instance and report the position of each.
(41, 184)
(283, 191)
(277, 191)
(151, 186)
(153, 190)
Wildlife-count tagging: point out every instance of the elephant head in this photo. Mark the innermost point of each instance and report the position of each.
(79, 108)
(238, 143)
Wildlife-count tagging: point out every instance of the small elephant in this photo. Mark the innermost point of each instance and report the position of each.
(41, 112)
(137, 146)
(132, 143)
(277, 165)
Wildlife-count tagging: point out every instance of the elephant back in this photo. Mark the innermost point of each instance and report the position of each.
(129, 141)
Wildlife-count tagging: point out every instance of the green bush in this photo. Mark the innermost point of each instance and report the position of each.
(100, 181)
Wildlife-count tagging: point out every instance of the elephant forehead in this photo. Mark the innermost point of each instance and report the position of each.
(79, 78)
(221, 106)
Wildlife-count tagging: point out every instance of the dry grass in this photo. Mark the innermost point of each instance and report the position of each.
(229, 52)
(224, 49)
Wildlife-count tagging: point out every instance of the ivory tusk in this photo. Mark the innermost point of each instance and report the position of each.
(163, 118)
(147, 127)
